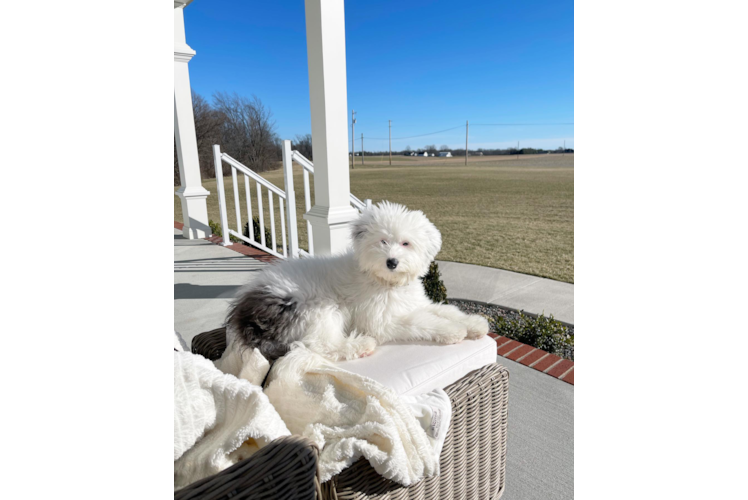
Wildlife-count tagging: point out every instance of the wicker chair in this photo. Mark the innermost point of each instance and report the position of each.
(472, 463)
(285, 468)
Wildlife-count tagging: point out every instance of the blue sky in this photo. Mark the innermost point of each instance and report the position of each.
(425, 65)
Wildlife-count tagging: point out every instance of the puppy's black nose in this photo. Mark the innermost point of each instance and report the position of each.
(391, 263)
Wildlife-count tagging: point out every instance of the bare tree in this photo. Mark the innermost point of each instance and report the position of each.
(207, 132)
(248, 131)
(208, 124)
(431, 148)
(177, 179)
(444, 147)
(303, 144)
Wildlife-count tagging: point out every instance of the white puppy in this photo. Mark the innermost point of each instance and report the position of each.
(343, 306)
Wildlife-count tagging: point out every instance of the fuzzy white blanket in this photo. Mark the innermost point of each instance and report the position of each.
(214, 414)
(348, 416)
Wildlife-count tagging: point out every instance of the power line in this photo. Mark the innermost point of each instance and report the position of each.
(517, 124)
(474, 125)
(414, 136)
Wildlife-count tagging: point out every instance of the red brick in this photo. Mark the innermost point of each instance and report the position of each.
(255, 253)
(508, 347)
(515, 355)
(500, 341)
(249, 251)
(493, 335)
(178, 225)
(569, 377)
(533, 357)
(547, 361)
(560, 368)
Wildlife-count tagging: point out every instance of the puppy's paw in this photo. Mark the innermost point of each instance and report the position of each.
(477, 326)
(454, 334)
(368, 344)
(361, 347)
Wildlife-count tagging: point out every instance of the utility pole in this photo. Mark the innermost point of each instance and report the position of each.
(467, 125)
(362, 148)
(564, 154)
(390, 141)
(353, 136)
(518, 150)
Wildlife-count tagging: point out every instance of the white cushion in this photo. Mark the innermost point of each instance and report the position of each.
(415, 368)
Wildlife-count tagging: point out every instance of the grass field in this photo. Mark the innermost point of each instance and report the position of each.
(503, 212)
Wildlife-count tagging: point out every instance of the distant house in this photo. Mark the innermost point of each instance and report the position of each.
(425, 153)
(446, 154)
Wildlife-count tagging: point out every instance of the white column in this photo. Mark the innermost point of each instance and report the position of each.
(192, 194)
(332, 212)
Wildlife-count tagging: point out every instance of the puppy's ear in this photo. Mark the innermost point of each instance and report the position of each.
(434, 240)
(359, 228)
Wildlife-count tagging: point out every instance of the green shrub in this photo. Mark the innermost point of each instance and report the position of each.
(434, 286)
(215, 228)
(256, 232)
(542, 332)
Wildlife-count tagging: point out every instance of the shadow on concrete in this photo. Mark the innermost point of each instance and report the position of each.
(219, 265)
(190, 291)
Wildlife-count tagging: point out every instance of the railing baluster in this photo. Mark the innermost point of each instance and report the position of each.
(293, 230)
(308, 205)
(261, 214)
(290, 246)
(247, 191)
(283, 226)
(236, 204)
(218, 164)
(272, 219)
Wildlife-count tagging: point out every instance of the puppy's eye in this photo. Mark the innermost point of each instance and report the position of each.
(383, 242)
(405, 243)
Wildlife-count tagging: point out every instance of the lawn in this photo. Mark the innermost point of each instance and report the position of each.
(503, 212)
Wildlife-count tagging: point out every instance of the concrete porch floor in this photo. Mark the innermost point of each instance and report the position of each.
(540, 455)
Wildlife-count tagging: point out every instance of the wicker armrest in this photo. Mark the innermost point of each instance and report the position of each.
(210, 344)
(285, 468)
(473, 459)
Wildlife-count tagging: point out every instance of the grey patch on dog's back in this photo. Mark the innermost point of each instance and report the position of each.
(260, 318)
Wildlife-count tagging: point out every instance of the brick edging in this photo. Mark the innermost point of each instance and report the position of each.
(550, 364)
(247, 251)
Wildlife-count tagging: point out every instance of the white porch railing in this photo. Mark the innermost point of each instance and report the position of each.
(308, 168)
(260, 182)
(284, 197)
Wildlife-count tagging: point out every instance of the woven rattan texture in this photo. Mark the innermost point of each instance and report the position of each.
(285, 468)
(473, 459)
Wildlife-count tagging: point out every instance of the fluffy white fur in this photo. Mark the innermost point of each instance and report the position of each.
(343, 306)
